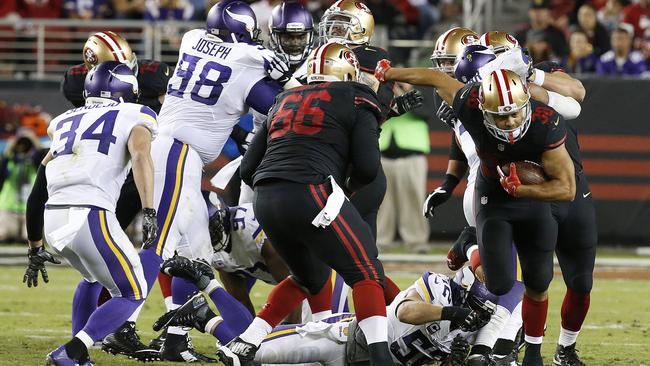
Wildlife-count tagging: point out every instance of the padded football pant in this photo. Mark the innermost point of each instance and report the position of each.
(577, 237)
(502, 219)
(286, 209)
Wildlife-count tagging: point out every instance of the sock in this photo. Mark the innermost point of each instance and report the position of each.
(235, 315)
(534, 317)
(150, 266)
(284, 297)
(503, 347)
(77, 350)
(165, 283)
(84, 303)
(256, 331)
(567, 337)
(110, 316)
(182, 290)
(134, 317)
(488, 335)
(375, 328)
(322, 301)
(221, 331)
(370, 309)
(250, 282)
(104, 296)
(390, 290)
(169, 302)
(513, 325)
(574, 310)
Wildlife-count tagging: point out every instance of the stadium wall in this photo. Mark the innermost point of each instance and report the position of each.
(614, 136)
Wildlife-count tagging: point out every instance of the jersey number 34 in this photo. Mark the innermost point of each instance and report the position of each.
(65, 141)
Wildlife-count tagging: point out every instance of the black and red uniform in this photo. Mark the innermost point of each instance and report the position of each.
(313, 132)
(153, 77)
(501, 218)
(368, 198)
(577, 230)
(152, 83)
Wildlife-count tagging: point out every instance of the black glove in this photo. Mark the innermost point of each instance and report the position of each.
(37, 259)
(406, 102)
(242, 138)
(446, 114)
(459, 351)
(439, 195)
(482, 310)
(149, 227)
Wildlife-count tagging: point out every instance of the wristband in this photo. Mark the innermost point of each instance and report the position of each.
(539, 77)
(455, 314)
(450, 182)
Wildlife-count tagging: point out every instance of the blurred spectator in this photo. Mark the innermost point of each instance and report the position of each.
(156, 10)
(404, 143)
(639, 16)
(540, 35)
(18, 168)
(39, 8)
(87, 9)
(8, 8)
(596, 32)
(582, 59)
(128, 9)
(610, 15)
(622, 60)
(262, 11)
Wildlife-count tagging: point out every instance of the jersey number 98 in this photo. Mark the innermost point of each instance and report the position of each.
(185, 71)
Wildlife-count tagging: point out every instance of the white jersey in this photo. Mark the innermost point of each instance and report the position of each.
(246, 241)
(89, 146)
(421, 344)
(206, 94)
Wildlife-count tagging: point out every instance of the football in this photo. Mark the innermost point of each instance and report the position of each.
(529, 172)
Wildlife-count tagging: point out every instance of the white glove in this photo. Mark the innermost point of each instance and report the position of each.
(276, 67)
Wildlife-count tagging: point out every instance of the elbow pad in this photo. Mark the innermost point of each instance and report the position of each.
(567, 107)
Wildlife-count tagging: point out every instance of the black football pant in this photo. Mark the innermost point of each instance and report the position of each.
(368, 199)
(502, 220)
(129, 204)
(577, 237)
(286, 210)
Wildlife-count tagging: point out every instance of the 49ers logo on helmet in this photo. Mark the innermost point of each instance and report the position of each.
(362, 6)
(351, 58)
(89, 56)
(511, 39)
(468, 39)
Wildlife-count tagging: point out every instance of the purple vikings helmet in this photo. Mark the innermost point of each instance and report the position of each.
(470, 60)
(112, 80)
(291, 27)
(234, 20)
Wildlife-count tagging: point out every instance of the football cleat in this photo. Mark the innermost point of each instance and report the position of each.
(196, 271)
(193, 314)
(179, 348)
(126, 341)
(567, 356)
(479, 360)
(59, 357)
(237, 353)
(157, 342)
(508, 360)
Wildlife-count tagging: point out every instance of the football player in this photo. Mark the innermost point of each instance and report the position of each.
(433, 320)
(83, 172)
(152, 80)
(504, 131)
(292, 174)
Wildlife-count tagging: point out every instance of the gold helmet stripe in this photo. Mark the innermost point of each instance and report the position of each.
(112, 44)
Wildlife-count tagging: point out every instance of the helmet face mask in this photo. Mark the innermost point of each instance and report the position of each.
(449, 45)
(108, 46)
(292, 32)
(348, 22)
(219, 224)
(332, 62)
(491, 122)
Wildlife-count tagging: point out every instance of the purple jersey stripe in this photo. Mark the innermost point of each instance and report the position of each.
(117, 272)
(148, 111)
(171, 192)
(337, 292)
(425, 279)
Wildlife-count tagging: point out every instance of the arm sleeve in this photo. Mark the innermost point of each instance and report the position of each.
(568, 107)
(465, 104)
(556, 134)
(364, 147)
(455, 151)
(262, 95)
(36, 205)
(254, 155)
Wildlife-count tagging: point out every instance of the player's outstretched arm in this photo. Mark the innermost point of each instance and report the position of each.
(561, 186)
(559, 82)
(445, 85)
(567, 107)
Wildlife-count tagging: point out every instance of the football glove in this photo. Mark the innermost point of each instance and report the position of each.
(380, 70)
(509, 182)
(276, 67)
(149, 227)
(446, 114)
(481, 314)
(440, 195)
(406, 102)
(37, 258)
(459, 350)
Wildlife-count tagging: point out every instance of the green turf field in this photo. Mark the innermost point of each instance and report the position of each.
(35, 321)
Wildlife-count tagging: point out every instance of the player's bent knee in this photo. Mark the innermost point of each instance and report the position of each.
(499, 288)
(582, 283)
